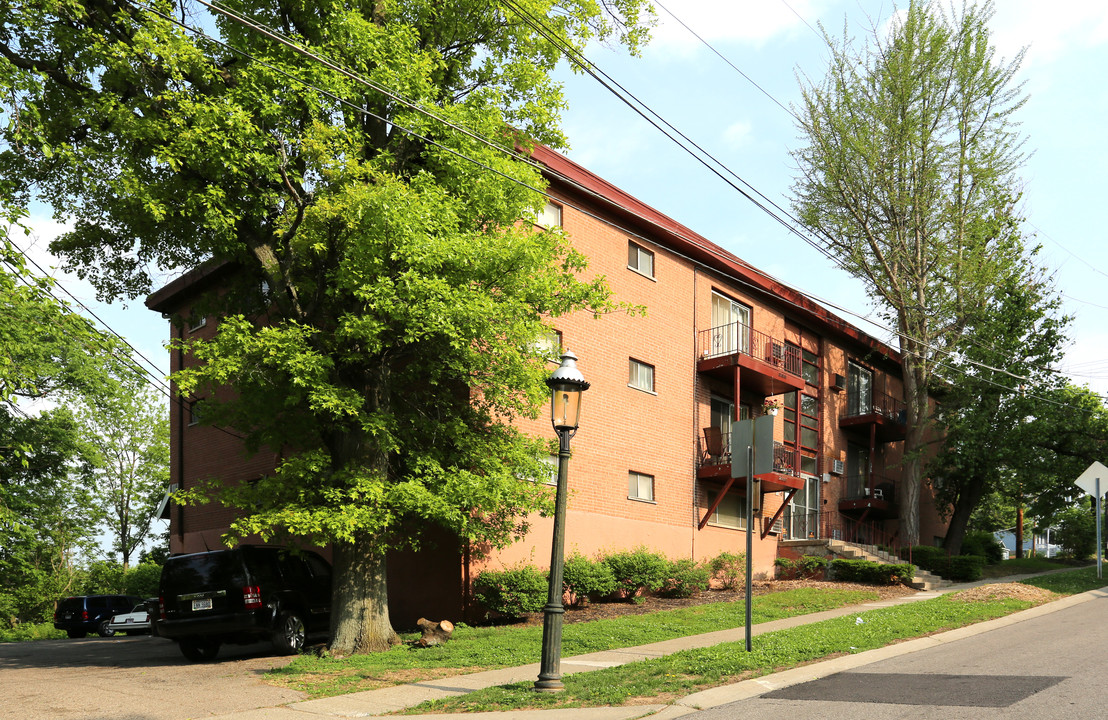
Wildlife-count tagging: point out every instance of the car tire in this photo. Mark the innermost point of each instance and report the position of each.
(74, 634)
(199, 650)
(103, 630)
(290, 634)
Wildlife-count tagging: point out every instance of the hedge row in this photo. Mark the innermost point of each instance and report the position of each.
(622, 576)
(870, 573)
(960, 568)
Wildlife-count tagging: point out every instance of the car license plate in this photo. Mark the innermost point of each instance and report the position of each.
(202, 604)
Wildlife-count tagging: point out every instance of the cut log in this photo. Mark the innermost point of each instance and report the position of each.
(434, 633)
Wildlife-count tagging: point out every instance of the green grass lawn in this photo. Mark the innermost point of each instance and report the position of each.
(689, 671)
(474, 649)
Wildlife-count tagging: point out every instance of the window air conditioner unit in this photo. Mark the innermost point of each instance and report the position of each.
(837, 467)
(838, 383)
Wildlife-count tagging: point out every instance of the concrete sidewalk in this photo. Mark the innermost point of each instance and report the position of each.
(391, 699)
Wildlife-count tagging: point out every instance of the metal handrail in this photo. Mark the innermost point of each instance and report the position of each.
(740, 338)
(878, 403)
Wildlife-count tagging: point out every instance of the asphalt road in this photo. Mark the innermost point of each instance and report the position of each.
(132, 678)
(1046, 668)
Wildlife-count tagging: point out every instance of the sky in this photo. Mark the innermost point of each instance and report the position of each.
(741, 121)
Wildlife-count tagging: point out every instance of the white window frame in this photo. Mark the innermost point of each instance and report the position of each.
(549, 345)
(640, 374)
(195, 324)
(636, 482)
(635, 255)
(550, 216)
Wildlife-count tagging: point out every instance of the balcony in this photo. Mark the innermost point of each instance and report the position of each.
(769, 366)
(715, 463)
(880, 414)
(864, 499)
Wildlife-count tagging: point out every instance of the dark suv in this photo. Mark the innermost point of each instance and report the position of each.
(83, 614)
(244, 595)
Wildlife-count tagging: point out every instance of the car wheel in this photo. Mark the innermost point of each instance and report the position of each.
(289, 636)
(104, 631)
(200, 650)
(75, 633)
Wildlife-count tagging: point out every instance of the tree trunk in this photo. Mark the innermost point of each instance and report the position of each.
(360, 604)
(969, 498)
(434, 633)
(915, 396)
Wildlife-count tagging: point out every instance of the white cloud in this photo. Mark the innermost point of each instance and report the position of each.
(738, 134)
(1048, 29)
(752, 22)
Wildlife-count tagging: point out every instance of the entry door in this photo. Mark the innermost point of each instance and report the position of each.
(857, 470)
(802, 514)
(730, 326)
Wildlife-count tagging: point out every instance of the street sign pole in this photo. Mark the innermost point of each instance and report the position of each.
(1089, 481)
(756, 437)
(749, 541)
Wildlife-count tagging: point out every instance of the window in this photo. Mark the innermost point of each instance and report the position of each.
(809, 422)
(730, 326)
(859, 389)
(641, 376)
(197, 321)
(551, 216)
(549, 345)
(640, 487)
(810, 367)
(640, 259)
(195, 410)
(789, 403)
(551, 477)
(731, 511)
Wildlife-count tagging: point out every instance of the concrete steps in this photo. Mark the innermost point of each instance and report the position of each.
(922, 581)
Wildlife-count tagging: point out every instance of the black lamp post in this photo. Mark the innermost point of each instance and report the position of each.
(566, 385)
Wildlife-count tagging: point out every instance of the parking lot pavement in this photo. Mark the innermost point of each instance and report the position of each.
(132, 678)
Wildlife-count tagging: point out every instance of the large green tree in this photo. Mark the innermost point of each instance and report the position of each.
(127, 433)
(996, 383)
(402, 295)
(910, 156)
(50, 358)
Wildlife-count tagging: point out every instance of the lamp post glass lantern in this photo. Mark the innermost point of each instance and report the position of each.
(566, 385)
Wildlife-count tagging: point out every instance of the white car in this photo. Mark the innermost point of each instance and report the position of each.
(133, 623)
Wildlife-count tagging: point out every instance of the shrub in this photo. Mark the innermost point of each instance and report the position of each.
(686, 578)
(811, 566)
(808, 566)
(925, 557)
(728, 569)
(1076, 532)
(963, 568)
(985, 544)
(638, 569)
(870, 573)
(587, 579)
(512, 592)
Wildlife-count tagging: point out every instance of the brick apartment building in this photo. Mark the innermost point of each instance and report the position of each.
(651, 459)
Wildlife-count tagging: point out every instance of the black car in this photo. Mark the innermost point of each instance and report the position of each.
(243, 595)
(82, 614)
